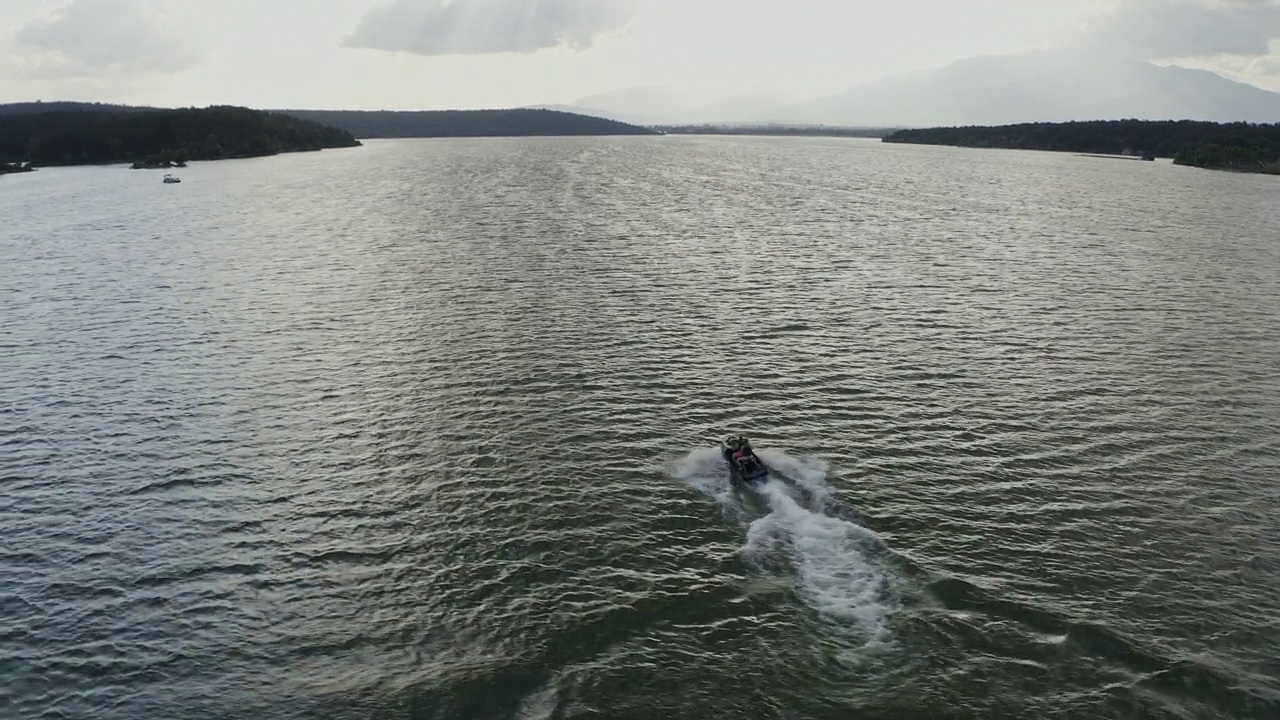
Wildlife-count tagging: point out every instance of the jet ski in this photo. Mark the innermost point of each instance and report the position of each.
(744, 465)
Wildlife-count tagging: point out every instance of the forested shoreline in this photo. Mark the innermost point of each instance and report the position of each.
(153, 137)
(1246, 147)
(525, 122)
(70, 133)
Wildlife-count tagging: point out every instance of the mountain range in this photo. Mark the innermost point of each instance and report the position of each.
(1039, 86)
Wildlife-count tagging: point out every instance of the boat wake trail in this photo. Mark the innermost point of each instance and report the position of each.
(829, 561)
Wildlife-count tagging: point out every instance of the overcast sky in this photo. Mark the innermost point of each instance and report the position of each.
(500, 53)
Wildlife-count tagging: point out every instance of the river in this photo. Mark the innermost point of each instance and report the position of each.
(427, 429)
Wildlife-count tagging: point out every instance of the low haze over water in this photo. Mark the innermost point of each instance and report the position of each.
(426, 429)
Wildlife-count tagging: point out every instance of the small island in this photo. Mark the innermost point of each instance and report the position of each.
(157, 138)
(1242, 147)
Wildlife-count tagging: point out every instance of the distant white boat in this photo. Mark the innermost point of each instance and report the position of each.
(169, 179)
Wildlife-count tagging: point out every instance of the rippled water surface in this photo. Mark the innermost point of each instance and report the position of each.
(426, 430)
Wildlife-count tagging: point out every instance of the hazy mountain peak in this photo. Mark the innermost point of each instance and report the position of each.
(1034, 86)
(1041, 86)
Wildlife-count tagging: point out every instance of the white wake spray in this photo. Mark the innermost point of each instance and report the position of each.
(832, 559)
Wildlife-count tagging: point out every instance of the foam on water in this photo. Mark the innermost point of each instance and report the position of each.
(829, 557)
(541, 705)
(810, 474)
(704, 470)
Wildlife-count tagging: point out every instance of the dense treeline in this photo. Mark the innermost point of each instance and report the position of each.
(1262, 155)
(1237, 146)
(39, 107)
(775, 130)
(465, 123)
(79, 137)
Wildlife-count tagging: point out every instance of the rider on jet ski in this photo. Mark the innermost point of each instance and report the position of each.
(743, 461)
(741, 448)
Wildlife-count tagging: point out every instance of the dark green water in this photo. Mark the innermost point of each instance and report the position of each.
(425, 430)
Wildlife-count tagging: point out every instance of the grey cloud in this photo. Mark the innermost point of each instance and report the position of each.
(85, 37)
(1167, 29)
(480, 27)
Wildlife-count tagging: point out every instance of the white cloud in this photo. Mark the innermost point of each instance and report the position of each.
(482, 27)
(94, 37)
(498, 53)
(1263, 70)
(1168, 29)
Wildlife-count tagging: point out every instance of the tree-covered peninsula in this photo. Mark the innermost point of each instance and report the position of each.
(149, 137)
(466, 123)
(1248, 147)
